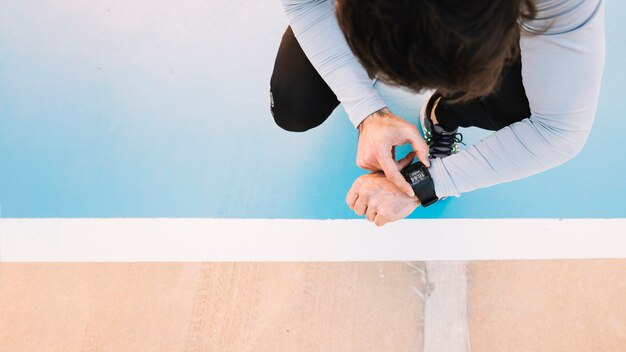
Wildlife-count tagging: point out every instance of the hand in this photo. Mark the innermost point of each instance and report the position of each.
(374, 195)
(379, 134)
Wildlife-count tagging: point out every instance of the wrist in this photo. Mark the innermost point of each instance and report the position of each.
(380, 112)
(418, 176)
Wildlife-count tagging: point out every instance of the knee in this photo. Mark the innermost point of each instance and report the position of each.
(289, 115)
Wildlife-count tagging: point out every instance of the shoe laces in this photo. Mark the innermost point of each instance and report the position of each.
(445, 141)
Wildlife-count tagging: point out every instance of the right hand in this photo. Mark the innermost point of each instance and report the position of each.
(379, 134)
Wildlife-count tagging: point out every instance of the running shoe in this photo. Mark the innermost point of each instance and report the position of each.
(441, 142)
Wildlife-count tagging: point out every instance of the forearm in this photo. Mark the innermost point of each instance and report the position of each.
(315, 26)
(562, 75)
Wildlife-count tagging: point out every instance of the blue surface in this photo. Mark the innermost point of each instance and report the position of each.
(148, 110)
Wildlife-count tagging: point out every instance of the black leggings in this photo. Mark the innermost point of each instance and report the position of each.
(301, 100)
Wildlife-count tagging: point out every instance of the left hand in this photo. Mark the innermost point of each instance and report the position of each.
(379, 134)
(376, 196)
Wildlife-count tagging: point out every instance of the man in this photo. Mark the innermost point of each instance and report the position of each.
(528, 70)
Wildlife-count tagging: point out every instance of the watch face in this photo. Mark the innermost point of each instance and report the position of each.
(417, 176)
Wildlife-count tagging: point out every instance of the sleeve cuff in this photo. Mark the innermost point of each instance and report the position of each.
(444, 186)
(358, 113)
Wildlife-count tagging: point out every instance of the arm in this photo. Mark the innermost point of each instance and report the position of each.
(562, 74)
(315, 26)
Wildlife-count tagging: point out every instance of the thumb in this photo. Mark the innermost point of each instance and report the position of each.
(406, 161)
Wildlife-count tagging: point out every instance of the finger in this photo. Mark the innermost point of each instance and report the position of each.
(367, 165)
(419, 145)
(380, 220)
(360, 206)
(353, 193)
(407, 160)
(370, 214)
(390, 168)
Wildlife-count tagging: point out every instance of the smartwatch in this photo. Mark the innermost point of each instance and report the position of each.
(418, 177)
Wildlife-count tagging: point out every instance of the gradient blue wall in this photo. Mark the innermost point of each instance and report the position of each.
(160, 109)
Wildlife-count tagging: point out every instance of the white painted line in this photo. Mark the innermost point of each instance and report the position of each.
(140, 240)
(445, 311)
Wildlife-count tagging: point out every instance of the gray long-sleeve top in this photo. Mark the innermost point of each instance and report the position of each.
(561, 72)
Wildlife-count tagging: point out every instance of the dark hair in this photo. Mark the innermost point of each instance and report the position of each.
(456, 46)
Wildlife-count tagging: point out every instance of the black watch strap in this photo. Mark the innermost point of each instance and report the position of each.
(424, 189)
(425, 192)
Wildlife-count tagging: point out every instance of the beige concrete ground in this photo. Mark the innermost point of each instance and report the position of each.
(211, 307)
(556, 306)
(564, 305)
